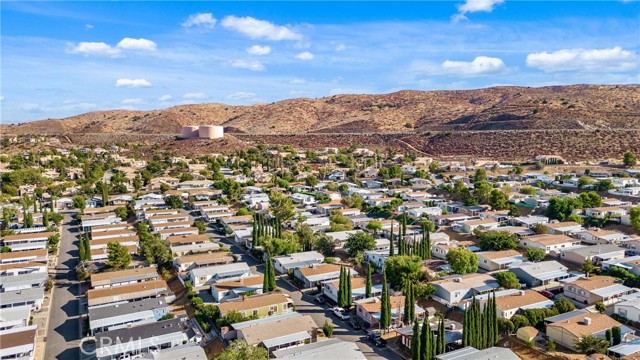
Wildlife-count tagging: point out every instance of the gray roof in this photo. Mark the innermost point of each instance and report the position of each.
(469, 353)
(111, 310)
(226, 269)
(18, 296)
(597, 250)
(540, 268)
(245, 324)
(330, 349)
(26, 279)
(185, 352)
(565, 316)
(142, 331)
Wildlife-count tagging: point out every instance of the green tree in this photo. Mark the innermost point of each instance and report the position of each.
(174, 202)
(462, 261)
(587, 267)
(434, 167)
(601, 307)
(563, 305)
(374, 225)
(634, 216)
(534, 254)
(239, 350)
(358, 242)
(81, 252)
(497, 240)
(311, 180)
(629, 159)
(122, 213)
(327, 328)
(281, 206)
(498, 201)
(519, 321)
(201, 225)
(269, 282)
(415, 342)
(323, 243)
(385, 303)
(508, 280)
(589, 344)
(575, 218)
(480, 175)
(399, 268)
(105, 194)
(118, 256)
(616, 334)
(367, 289)
(78, 202)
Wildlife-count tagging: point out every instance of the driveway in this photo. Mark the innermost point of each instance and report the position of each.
(64, 327)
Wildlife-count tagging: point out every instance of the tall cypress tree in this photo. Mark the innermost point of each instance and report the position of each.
(105, 194)
(428, 245)
(465, 327)
(45, 220)
(484, 320)
(87, 247)
(349, 293)
(367, 289)
(442, 341)
(391, 249)
(415, 342)
(341, 287)
(424, 340)
(406, 318)
(269, 283)
(494, 319)
(433, 345)
(81, 252)
(385, 305)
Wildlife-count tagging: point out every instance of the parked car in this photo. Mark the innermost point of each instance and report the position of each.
(341, 313)
(380, 342)
(547, 294)
(354, 324)
(371, 335)
(320, 299)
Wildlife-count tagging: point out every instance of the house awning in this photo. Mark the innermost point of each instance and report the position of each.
(287, 339)
(612, 290)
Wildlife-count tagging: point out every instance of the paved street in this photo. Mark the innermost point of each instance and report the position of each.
(64, 333)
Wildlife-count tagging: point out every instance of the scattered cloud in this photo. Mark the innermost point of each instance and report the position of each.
(104, 49)
(1, 98)
(259, 29)
(133, 83)
(588, 60)
(93, 48)
(242, 96)
(195, 96)
(305, 56)
(481, 65)
(137, 44)
(165, 97)
(249, 65)
(134, 101)
(341, 47)
(297, 81)
(201, 21)
(88, 27)
(259, 50)
(471, 6)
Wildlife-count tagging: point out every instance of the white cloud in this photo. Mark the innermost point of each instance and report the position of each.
(165, 97)
(137, 44)
(259, 29)
(471, 6)
(134, 101)
(133, 83)
(88, 27)
(305, 56)
(481, 65)
(93, 48)
(259, 50)
(195, 96)
(341, 47)
(249, 65)
(297, 81)
(202, 21)
(242, 96)
(589, 60)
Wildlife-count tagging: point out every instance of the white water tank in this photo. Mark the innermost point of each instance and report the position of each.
(211, 132)
(190, 132)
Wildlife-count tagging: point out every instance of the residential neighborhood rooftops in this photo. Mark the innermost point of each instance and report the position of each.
(257, 334)
(519, 299)
(128, 275)
(252, 302)
(460, 282)
(579, 327)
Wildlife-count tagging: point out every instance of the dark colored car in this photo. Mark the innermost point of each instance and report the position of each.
(547, 294)
(372, 335)
(380, 342)
(320, 299)
(354, 324)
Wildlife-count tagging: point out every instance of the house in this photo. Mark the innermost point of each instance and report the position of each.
(142, 339)
(605, 212)
(123, 277)
(187, 262)
(471, 353)
(190, 351)
(631, 264)
(27, 256)
(304, 199)
(564, 228)
(481, 224)
(337, 175)
(540, 273)
(18, 343)
(601, 236)
(32, 297)
(258, 306)
(15, 317)
(529, 221)
(315, 275)
(453, 331)
(23, 281)
(164, 234)
(498, 260)
(126, 314)
(22, 242)
(233, 289)
(548, 243)
(596, 288)
(625, 350)
(137, 291)
(280, 334)
(567, 331)
(629, 309)
(212, 274)
(512, 301)
(376, 257)
(450, 290)
(340, 237)
(329, 349)
(284, 263)
(358, 289)
(527, 333)
(369, 310)
(596, 253)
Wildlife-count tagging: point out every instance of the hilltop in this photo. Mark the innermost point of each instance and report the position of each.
(498, 108)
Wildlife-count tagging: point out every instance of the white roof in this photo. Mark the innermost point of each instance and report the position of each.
(239, 267)
(330, 349)
(299, 257)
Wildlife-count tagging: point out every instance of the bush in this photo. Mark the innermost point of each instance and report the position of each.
(519, 321)
(327, 328)
(551, 346)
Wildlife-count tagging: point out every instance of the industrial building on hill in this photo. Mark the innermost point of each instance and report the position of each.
(202, 132)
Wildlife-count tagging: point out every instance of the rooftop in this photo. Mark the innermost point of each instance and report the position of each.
(576, 325)
(253, 302)
(254, 335)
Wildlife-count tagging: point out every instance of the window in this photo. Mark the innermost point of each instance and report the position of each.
(255, 312)
(581, 292)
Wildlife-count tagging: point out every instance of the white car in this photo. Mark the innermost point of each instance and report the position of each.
(341, 313)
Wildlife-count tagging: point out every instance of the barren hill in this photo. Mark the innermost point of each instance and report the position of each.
(499, 108)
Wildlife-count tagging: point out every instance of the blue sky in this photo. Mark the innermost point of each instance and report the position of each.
(64, 58)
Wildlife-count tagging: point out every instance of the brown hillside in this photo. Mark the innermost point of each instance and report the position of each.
(498, 108)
